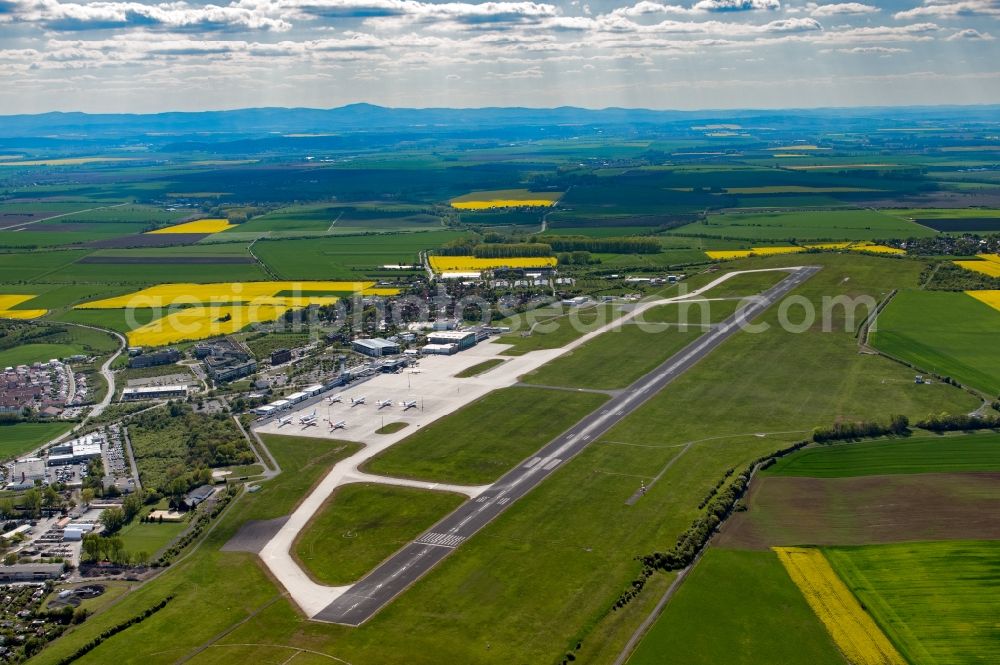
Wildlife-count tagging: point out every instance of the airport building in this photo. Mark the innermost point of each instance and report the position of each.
(462, 339)
(154, 392)
(375, 347)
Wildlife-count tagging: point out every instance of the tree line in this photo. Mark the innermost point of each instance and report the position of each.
(898, 425)
(114, 630)
(946, 422)
(624, 245)
(723, 502)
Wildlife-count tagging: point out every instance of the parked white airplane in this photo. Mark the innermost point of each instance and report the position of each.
(308, 420)
(358, 400)
(408, 405)
(284, 421)
(382, 403)
(336, 398)
(340, 424)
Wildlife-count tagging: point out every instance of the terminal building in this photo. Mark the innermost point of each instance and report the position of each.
(154, 392)
(375, 347)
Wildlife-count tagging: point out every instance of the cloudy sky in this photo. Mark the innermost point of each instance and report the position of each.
(128, 55)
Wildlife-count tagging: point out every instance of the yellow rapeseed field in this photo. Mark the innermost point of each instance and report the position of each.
(473, 264)
(853, 630)
(991, 268)
(7, 302)
(201, 322)
(995, 258)
(197, 226)
(991, 298)
(502, 203)
(876, 249)
(264, 293)
(829, 245)
(505, 198)
(729, 254)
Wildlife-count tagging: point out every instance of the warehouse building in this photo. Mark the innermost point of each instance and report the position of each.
(154, 392)
(375, 347)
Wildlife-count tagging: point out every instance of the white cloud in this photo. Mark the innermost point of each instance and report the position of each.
(178, 16)
(530, 73)
(971, 35)
(841, 9)
(873, 50)
(736, 5)
(947, 9)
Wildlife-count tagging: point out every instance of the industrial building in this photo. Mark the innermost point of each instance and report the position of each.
(462, 339)
(154, 392)
(30, 572)
(197, 496)
(375, 347)
(280, 356)
(23, 473)
(76, 451)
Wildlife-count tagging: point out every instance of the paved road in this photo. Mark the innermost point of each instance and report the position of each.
(378, 588)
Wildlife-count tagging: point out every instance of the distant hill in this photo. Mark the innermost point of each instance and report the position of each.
(259, 122)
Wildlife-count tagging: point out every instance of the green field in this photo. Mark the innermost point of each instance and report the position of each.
(149, 537)
(938, 454)
(32, 266)
(614, 359)
(549, 329)
(25, 354)
(362, 524)
(806, 225)
(748, 284)
(950, 334)
(484, 440)
(17, 439)
(784, 380)
(739, 608)
(937, 601)
(346, 257)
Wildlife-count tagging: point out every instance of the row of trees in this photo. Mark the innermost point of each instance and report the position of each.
(898, 425)
(946, 422)
(114, 630)
(511, 250)
(724, 501)
(629, 245)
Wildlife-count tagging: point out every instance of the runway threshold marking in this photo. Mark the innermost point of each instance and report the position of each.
(449, 540)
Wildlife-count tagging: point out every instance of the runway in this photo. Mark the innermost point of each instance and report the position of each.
(377, 589)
